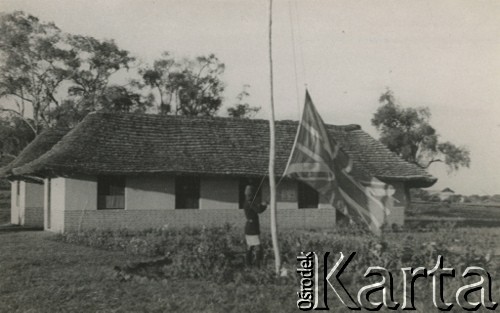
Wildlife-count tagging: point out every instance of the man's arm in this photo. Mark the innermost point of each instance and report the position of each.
(259, 208)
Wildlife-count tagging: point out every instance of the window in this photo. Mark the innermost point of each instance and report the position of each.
(308, 197)
(187, 192)
(244, 182)
(18, 192)
(110, 192)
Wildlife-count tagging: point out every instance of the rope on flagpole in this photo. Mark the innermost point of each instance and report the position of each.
(301, 56)
(262, 182)
(258, 188)
(279, 181)
(292, 31)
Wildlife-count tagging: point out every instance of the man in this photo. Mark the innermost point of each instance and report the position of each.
(252, 226)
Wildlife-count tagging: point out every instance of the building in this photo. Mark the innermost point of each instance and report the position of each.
(142, 171)
(446, 194)
(27, 191)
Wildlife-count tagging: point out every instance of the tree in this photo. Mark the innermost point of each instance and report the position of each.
(474, 198)
(113, 98)
(242, 109)
(31, 68)
(408, 133)
(89, 70)
(187, 87)
(15, 134)
(51, 76)
(160, 79)
(120, 99)
(484, 198)
(419, 193)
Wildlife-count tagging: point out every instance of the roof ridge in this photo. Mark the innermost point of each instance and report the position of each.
(345, 127)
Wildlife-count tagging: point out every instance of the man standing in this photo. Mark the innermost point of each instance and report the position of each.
(252, 227)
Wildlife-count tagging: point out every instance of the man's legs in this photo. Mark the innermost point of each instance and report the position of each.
(254, 255)
(253, 247)
(249, 256)
(259, 255)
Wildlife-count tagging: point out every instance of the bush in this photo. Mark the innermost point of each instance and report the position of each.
(217, 253)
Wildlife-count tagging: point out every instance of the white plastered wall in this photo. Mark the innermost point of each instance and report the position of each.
(150, 193)
(68, 194)
(219, 193)
(287, 195)
(14, 203)
(399, 205)
(29, 200)
(54, 204)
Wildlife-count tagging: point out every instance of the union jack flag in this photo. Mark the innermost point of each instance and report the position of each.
(318, 160)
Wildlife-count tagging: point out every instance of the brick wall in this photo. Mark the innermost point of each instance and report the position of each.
(33, 217)
(143, 219)
(33, 210)
(33, 195)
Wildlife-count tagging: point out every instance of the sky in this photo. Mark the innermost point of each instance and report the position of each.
(441, 54)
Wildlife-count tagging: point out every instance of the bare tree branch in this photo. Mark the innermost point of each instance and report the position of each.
(428, 164)
(22, 118)
(2, 154)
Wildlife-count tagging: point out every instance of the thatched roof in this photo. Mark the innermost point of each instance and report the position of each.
(5, 160)
(132, 144)
(41, 144)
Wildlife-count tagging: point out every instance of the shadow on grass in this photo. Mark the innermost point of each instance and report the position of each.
(416, 222)
(9, 228)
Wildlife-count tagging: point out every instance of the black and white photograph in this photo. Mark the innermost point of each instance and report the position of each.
(249, 156)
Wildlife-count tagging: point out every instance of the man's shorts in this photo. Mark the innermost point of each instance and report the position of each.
(252, 240)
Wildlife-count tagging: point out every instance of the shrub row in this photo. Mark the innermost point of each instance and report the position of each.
(218, 253)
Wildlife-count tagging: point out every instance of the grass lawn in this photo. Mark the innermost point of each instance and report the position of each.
(454, 210)
(41, 275)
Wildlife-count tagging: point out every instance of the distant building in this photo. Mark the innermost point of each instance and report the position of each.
(446, 194)
(143, 171)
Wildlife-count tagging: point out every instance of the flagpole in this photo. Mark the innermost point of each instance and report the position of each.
(272, 154)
